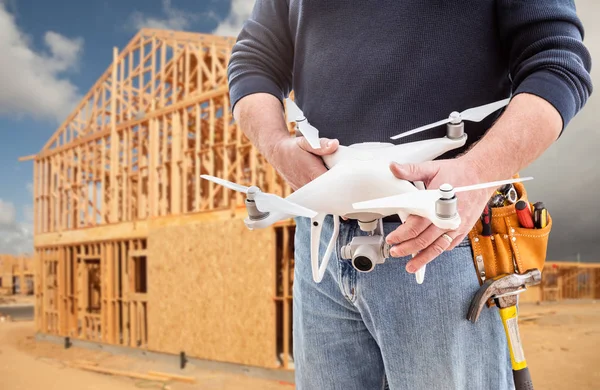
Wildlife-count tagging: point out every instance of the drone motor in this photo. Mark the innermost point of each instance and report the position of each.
(455, 131)
(254, 214)
(446, 206)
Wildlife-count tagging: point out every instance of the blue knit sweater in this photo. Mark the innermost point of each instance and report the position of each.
(367, 70)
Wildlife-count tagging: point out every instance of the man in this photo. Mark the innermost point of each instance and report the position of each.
(367, 70)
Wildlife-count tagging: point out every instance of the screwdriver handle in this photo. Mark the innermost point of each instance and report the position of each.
(522, 379)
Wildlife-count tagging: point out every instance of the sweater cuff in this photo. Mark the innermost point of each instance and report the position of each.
(552, 88)
(252, 83)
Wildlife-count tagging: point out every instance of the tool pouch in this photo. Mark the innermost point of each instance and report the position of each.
(510, 244)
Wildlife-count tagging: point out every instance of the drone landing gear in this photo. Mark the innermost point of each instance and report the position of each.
(315, 241)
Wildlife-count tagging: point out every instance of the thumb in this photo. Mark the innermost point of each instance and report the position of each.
(328, 146)
(415, 172)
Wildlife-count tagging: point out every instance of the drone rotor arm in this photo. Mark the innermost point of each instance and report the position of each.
(294, 113)
(310, 133)
(477, 114)
(266, 202)
(225, 183)
(422, 128)
(491, 184)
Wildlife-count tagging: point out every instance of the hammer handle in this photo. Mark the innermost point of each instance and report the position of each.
(522, 379)
(521, 375)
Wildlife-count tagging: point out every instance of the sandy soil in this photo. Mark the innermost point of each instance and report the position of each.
(561, 344)
(29, 365)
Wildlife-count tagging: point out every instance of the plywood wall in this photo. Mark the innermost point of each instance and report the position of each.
(211, 289)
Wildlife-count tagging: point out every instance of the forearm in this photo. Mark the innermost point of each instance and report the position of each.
(549, 68)
(528, 127)
(261, 118)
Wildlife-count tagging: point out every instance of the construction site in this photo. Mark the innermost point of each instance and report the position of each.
(126, 230)
(133, 249)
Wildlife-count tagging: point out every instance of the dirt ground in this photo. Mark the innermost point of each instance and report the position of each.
(561, 344)
(29, 365)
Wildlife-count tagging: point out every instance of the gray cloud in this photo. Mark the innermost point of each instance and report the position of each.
(232, 24)
(567, 175)
(171, 18)
(32, 82)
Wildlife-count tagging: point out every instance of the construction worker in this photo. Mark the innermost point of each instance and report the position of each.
(363, 71)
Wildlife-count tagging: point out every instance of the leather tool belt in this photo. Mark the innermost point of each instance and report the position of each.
(510, 248)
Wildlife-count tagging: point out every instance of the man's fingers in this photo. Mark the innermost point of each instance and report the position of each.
(457, 240)
(415, 172)
(417, 244)
(412, 228)
(328, 146)
(428, 254)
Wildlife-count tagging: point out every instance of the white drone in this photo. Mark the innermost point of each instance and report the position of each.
(359, 185)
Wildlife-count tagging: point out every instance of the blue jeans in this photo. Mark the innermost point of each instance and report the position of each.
(359, 331)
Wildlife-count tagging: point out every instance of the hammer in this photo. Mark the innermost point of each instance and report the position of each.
(504, 290)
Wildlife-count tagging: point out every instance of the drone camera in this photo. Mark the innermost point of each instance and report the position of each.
(365, 252)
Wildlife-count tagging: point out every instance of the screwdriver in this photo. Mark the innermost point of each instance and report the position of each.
(524, 214)
(486, 219)
(540, 215)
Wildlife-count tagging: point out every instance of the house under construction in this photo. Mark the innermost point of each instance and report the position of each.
(132, 247)
(16, 275)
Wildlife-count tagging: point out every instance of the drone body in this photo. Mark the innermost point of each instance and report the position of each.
(360, 185)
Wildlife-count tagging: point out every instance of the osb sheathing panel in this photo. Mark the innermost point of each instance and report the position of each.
(210, 291)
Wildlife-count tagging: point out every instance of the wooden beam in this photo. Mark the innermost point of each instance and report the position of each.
(28, 158)
(131, 230)
(135, 122)
(114, 143)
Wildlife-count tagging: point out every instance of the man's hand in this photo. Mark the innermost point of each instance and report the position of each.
(297, 162)
(418, 234)
(261, 118)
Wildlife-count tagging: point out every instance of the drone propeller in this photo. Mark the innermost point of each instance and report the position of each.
(476, 114)
(424, 198)
(265, 202)
(295, 114)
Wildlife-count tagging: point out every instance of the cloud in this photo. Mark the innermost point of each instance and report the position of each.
(173, 18)
(15, 237)
(32, 82)
(7, 214)
(232, 24)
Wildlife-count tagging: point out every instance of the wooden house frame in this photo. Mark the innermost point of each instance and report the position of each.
(132, 247)
(16, 275)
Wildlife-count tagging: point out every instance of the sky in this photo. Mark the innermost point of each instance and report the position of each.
(51, 55)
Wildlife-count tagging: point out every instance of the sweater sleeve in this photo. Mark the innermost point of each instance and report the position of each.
(544, 43)
(262, 57)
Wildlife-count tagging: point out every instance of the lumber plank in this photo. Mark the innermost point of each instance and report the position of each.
(179, 378)
(110, 371)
